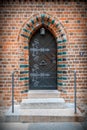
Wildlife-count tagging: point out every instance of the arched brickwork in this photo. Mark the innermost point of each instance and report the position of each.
(25, 34)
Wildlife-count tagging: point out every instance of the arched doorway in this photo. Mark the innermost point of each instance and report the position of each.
(43, 60)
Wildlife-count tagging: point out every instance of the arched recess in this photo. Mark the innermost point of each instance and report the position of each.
(25, 34)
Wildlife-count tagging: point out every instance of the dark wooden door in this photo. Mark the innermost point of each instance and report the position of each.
(43, 69)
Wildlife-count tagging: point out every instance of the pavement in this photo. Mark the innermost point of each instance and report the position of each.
(42, 126)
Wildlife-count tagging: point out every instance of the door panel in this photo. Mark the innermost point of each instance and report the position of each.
(43, 61)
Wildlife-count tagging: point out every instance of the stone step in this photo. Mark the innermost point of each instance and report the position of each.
(42, 115)
(43, 94)
(43, 103)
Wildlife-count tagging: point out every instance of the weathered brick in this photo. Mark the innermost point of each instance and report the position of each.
(14, 53)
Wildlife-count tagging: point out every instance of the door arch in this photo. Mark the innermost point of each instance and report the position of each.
(26, 32)
(43, 60)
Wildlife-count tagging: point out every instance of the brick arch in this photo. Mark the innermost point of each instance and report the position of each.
(25, 34)
(37, 20)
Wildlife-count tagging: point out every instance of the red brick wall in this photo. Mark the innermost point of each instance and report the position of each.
(13, 16)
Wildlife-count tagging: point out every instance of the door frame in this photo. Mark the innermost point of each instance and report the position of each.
(57, 29)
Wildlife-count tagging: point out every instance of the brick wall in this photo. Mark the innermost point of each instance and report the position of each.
(14, 15)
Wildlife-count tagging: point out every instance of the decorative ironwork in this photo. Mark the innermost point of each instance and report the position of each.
(43, 61)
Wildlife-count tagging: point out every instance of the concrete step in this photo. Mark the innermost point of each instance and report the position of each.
(43, 103)
(43, 94)
(42, 115)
